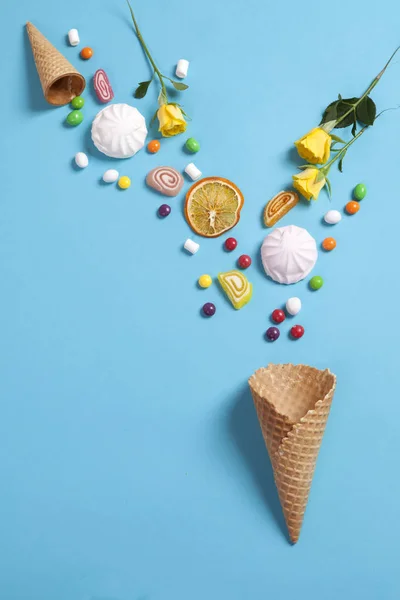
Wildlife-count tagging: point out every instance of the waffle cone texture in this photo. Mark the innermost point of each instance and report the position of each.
(292, 404)
(61, 82)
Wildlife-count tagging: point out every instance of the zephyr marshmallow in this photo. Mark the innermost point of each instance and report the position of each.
(289, 254)
(119, 130)
(191, 246)
(182, 68)
(193, 171)
(73, 37)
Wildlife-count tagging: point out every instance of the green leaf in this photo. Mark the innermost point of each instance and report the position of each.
(179, 86)
(354, 128)
(319, 177)
(153, 118)
(339, 96)
(328, 187)
(340, 164)
(336, 138)
(162, 98)
(342, 108)
(142, 88)
(366, 111)
(306, 167)
(330, 113)
(337, 109)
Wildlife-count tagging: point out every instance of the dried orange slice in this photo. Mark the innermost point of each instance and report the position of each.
(213, 206)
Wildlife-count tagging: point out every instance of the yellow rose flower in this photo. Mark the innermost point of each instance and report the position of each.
(306, 183)
(171, 120)
(315, 146)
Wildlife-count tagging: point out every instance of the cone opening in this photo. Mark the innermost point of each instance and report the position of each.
(65, 88)
(293, 390)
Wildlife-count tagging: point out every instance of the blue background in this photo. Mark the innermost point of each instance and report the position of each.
(132, 464)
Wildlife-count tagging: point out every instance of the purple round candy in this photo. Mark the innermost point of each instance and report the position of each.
(209, 309)
(272, 334)
(164, 210)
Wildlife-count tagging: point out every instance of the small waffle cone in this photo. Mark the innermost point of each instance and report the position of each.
(61, 82)
(292, 404)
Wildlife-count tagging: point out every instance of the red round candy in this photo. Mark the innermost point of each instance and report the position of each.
(244, 261)
(278, 316)
(297, 331)
(230, 244)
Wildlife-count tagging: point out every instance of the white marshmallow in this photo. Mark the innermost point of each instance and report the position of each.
(73, 37)
(293, 306)
(110, 176)
(182, 68)
(81, 160)
(332, 217)
(193, 171)
(191, 246)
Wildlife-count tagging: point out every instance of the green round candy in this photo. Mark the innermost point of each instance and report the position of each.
(192, 145)
(77, 102)
(75, 118)
(360, 191)
(316, 282)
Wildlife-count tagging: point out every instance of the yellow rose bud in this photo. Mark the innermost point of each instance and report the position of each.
(171, 120)
(307, 183)
(315, 146)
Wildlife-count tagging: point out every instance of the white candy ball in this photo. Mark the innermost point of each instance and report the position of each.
(293, 306)
(110, 176)
(332, 217)
(81, 160)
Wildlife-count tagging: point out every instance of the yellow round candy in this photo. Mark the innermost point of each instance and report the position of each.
(124, 182)
(205, 281)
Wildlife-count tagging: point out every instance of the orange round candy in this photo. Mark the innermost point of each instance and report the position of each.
(153, 146)
(86, 53)
(329, 243)
(352, 207)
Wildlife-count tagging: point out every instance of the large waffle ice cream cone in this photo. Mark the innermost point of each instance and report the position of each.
(61, 82)
(292, 403)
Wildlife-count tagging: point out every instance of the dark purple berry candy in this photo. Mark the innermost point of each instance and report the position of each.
(164, 210)
(272, 334)
(209, 309)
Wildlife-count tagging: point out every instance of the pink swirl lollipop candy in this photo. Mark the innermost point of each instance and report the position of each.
(102, 86)
(165, 180)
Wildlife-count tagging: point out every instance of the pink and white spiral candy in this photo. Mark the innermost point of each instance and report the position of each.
(102, 86)
(166, 180)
